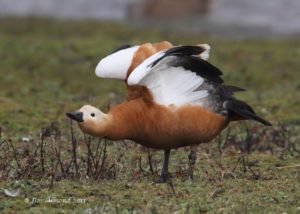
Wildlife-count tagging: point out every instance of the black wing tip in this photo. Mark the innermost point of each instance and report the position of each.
(208, 64)
(202, 68)
(185, 50)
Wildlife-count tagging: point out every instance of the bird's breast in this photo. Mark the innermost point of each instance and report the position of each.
(165, 127)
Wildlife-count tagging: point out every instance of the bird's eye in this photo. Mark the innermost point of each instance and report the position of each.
(92, 114)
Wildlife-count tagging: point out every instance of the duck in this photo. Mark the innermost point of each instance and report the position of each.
(175, 98)
(132, 56)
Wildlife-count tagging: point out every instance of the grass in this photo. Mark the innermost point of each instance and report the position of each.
(47, 69)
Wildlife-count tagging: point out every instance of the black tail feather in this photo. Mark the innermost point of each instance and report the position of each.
(242, 109)
(232, 88)
(229, 90)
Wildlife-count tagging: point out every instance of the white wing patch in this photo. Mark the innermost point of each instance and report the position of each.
(117, 64)
(169, 85)
(143, 69)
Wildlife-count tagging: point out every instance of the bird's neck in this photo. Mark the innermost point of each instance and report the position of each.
(126, 119)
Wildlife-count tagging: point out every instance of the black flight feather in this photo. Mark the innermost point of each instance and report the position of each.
(186, 57)
(199, 66)
(185, 50)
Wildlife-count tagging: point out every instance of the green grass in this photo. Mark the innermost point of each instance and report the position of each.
(47, 68)
(276, 191)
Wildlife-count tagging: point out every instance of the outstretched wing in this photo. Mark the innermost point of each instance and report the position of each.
(175, 76)
(116, 64)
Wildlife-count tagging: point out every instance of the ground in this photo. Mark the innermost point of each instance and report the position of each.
(47, 69)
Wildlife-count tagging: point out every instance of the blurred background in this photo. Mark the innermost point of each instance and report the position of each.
(218, 17)
(46, 41)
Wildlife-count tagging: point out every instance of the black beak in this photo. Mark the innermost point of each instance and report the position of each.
(78, 116)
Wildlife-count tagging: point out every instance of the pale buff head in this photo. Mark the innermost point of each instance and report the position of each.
(90, 120)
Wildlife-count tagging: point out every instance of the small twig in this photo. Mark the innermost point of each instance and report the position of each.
(57, 153)
(36, 149)
(98, 155)
(140, 164)
(2, 142)
(244, 164)
(221, 142)
(90, 157)
(15, 152)
(42, 153)
(69, 166)
(216, 193)
(237, 164)
(7, 162)
(103, 159)
(256, 175)
(171, 187)
(113, 166)
(52, 175)
(155, 165)
(74, 147)
(150, 161)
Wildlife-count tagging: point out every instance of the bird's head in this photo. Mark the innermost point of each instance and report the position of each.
(90, 120)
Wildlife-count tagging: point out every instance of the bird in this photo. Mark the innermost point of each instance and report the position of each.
(135, 56)
(175, 98)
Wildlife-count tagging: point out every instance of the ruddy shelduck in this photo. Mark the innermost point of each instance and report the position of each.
(175, 99)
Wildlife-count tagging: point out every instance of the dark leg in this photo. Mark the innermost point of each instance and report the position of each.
(192, 160)
(164, 172)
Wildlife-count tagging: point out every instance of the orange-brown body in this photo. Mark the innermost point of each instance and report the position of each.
(153, 125)
(160, 127)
